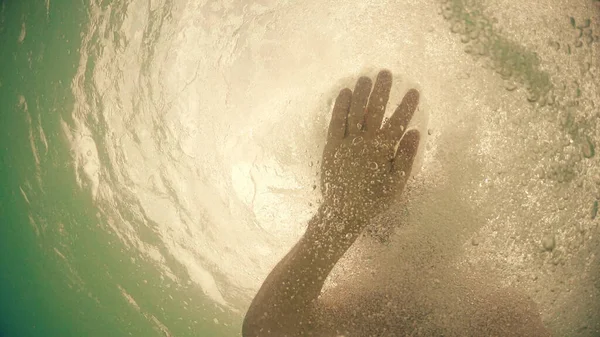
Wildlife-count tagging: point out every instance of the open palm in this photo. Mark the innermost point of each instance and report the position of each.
(366, 160)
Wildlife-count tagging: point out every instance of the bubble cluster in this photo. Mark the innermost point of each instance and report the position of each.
(568, 99)
(507, 58)
(584, 35)
(547, 188)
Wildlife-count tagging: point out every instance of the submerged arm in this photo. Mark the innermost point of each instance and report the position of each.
(285, 302)
(365, 167)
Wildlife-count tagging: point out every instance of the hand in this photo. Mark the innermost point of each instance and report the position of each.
(362, 172)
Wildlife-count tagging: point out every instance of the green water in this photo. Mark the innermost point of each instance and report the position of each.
(62, 273)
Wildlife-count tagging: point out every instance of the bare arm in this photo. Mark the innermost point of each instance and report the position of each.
(284, 303)
(362, 173)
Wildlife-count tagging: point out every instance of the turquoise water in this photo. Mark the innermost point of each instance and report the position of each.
(155, 155)
(62, 273)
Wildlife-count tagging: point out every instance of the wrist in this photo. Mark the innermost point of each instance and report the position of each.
(332, 225)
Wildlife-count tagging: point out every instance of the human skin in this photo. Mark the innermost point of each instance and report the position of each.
(366, 164)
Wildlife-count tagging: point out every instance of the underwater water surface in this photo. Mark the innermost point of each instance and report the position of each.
(157, 158)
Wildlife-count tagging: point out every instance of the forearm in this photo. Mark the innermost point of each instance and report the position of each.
(289, 292)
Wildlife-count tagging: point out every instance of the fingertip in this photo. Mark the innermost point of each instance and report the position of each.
(412, 98)
(345, 92)
(413, 134)
(364, 81)
(343, 100)
(384, 75)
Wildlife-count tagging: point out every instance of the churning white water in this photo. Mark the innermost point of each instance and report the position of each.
(198, 129)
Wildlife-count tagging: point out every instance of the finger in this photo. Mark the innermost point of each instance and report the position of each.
(405, 155)
(337, 125)
(360, 97)
(378, 101)
(395, 126)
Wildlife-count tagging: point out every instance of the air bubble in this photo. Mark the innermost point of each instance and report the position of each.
(586, 23)
(548, 242)
(480, 48)
(510, 85)
(587, 149)
(402, 173)
(474, 34)
(373, 165)
(532, 96)
(589, 39)
(457, 27)
(542, 102)
(357, 140)
(506, 72)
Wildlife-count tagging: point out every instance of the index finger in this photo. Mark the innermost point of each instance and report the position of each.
(339, 116)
